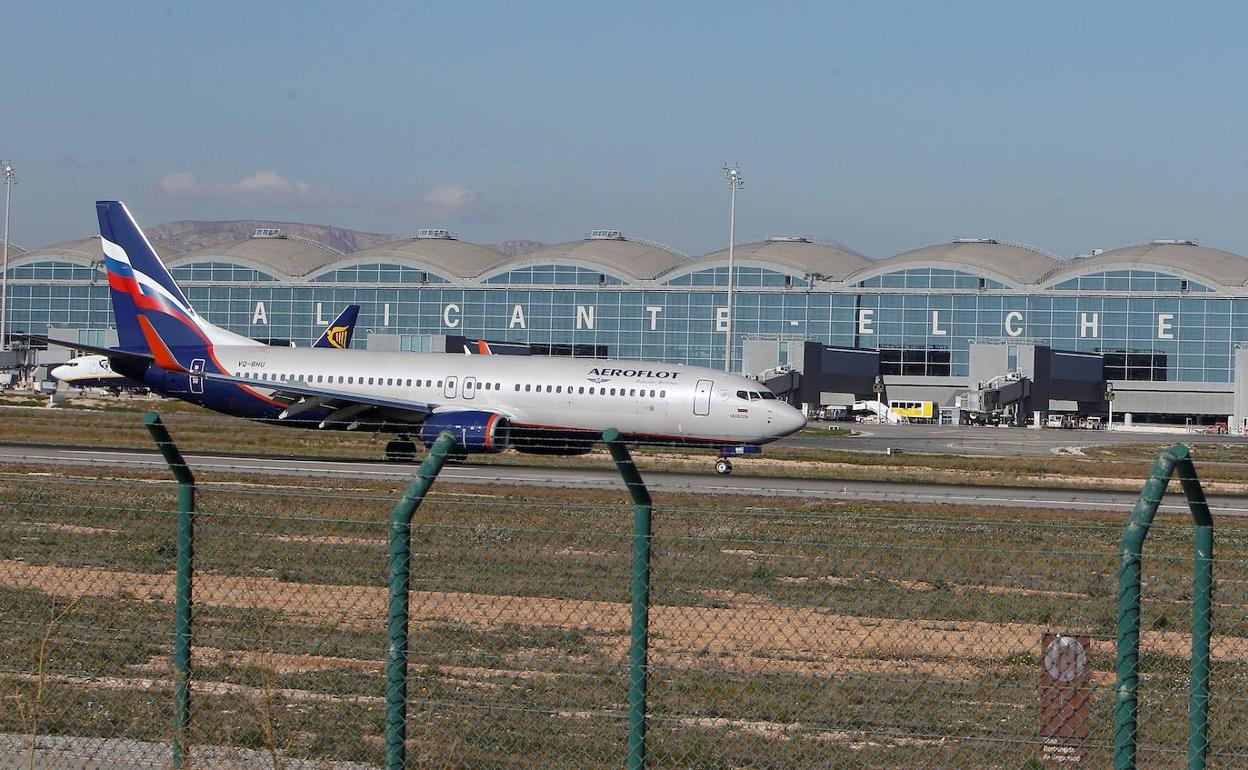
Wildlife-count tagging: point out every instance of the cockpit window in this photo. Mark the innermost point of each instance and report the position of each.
(741, 394)
(769, 396)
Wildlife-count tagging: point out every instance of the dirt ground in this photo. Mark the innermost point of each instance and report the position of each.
(746, 633)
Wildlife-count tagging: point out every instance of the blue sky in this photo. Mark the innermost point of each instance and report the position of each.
(884, 126)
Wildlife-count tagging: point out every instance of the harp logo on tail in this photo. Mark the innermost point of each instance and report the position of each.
(337, 336)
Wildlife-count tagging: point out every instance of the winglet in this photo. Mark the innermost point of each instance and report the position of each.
(160, 351)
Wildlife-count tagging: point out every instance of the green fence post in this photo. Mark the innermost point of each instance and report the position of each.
(400, 581)
(1202, 613)
(182, 584)
(1176, 458)
(639, 642)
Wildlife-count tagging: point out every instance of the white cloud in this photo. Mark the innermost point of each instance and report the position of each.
(439, 204)
(265, 184)
(448, 201)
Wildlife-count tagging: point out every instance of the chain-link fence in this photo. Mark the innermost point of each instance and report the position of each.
(781, 633)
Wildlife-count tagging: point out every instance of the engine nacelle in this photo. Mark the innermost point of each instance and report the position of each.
(474, 432)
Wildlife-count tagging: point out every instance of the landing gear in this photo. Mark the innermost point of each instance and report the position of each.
(401, 450)
(723, 466)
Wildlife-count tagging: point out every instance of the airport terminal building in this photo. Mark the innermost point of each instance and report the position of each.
(1169, 316)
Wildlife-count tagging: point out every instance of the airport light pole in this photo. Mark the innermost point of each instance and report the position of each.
(733, 173)
(4, 271)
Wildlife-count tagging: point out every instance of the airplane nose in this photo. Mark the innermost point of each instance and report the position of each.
(789, 420)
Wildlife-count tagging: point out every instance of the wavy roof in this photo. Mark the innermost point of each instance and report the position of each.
(636, 260)
(83, 250)
(1011, 262)
(291, 257)
(1214, 266)
(445, 256)
(799, 256)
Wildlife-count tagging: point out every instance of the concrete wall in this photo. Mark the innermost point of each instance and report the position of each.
(1175, 398)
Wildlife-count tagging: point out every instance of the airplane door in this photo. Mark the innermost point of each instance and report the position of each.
(470, 387)
(702, 398)
(451, 387)
(197, 376)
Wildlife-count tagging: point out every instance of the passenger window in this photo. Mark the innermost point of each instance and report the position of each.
(591, 391)
(581, 390)
(517, 387)
(652, 394)
(439, 383)
(370, 380)
(632, 392)
(662, 394)
(527, 388)
(613, 391)
(548, 387)
(558, 388)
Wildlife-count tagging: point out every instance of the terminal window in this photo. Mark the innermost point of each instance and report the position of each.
(929, 362)
(1135, 365)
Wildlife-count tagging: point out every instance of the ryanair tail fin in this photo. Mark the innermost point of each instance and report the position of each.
(340, 330)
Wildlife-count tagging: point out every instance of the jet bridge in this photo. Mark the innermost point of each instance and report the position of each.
(1005, 394)
(1017, 380)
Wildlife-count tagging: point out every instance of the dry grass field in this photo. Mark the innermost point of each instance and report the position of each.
(785, 633)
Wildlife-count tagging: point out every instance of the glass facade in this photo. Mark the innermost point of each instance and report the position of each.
(1160, 327)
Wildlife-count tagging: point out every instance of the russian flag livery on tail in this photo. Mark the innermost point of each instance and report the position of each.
(538, 404)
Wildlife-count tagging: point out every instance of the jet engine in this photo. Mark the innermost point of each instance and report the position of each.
(474, 432)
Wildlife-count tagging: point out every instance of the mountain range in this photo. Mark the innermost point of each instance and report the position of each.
(189, 235)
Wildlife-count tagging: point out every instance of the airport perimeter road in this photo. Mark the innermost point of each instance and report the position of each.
(971, 440)
(699, 483)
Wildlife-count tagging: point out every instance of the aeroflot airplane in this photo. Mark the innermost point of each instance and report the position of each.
(541, 405)
(96, 371)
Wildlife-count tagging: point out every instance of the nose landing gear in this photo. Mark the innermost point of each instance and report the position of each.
(723, 466)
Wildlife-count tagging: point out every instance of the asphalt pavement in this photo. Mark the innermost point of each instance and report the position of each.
(701, 483)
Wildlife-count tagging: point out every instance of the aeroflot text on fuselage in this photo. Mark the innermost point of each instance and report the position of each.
(652, 373)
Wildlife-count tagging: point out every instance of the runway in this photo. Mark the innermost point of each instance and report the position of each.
(697, 483)
(984, 441)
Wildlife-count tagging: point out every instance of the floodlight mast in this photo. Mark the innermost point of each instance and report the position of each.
(4, 270)
(732, 172)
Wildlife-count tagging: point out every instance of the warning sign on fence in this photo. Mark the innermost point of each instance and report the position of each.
(1064, 700)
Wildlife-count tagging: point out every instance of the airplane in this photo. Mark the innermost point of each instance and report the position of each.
(96, 371)
(489, 403)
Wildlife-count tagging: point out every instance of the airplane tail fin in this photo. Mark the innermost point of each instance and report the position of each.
(147, 302)
(340, 330)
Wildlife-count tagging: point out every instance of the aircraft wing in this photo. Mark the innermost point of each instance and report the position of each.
(97, 349)
(343, 406)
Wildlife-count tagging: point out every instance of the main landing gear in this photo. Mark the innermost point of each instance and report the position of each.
(723, 466)
(401, 450)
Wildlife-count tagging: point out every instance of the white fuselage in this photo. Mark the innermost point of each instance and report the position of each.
(94, 371)
(641, 399)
